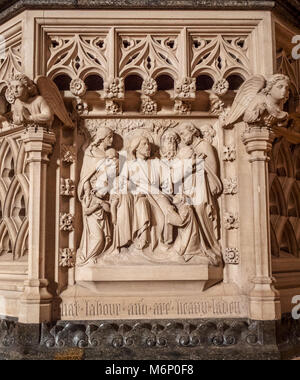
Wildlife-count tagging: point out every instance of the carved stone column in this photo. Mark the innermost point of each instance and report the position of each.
(264, 299)
(35, 304)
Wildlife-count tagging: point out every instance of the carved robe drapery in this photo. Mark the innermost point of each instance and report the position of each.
(97, 234)
(206, 208)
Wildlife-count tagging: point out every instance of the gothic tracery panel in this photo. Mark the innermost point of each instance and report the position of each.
(284, 200)
(149, 55)
(77, 56)
(220, 56)
(14, 192)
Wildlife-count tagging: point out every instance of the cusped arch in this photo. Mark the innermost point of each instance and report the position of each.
(275, 250)
(283, 164)
(293, 201)
(288, 242)
(278, 204)
(296, 160)
(6, 239)
(7, 163)
(21, 245)
(15, 206)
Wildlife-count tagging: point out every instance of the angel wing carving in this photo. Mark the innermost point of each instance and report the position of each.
(244, 98)
(51, 94)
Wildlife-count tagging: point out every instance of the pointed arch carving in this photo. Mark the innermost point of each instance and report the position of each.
(14, 194)
(149, 56)
(75, 55)
(220, 56)
(285, 199)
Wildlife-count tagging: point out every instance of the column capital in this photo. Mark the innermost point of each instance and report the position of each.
(258, 140)
(39, 142)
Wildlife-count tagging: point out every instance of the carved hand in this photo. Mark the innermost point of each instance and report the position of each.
(26, 115)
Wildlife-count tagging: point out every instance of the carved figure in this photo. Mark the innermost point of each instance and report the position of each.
(139, 207)
(3, 120)
(205, 194)
(261, 101)
(97, 234)
(36, 103)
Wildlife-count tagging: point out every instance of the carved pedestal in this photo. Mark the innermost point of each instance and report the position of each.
(36, 302)
(264, 299)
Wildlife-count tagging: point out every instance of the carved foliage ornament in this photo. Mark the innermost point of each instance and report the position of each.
(67, 258)
(230, 186)
(67, 187)
(66, 222)
(231, 221)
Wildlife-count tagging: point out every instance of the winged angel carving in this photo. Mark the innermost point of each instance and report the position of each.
(261, 101)
(36, 103)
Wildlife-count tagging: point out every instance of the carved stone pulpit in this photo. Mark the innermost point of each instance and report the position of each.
(149, 182)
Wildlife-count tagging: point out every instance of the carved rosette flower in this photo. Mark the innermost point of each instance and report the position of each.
(78, 87)
(149, 87)
(229, 153)
(186, 89)
(68, 154)
(149, 106)
(67, 258)
(10, 96)
(232, 256)
(221, 87)
(114, 89)
(80, 106)
(67, 222)
(182, 108)
(67, 187)
(113, 108)
(231, 221)
(230, 186)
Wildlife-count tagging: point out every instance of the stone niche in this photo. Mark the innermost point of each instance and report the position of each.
(149, 166)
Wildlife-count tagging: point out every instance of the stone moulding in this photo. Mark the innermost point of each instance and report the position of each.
(9, 9)
(180, 339)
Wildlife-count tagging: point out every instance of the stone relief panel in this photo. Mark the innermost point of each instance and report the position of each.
(149, 193)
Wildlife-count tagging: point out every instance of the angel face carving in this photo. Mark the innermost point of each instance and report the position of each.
(279, 88)
(260, 101)
(22, 88)
(36, 103)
